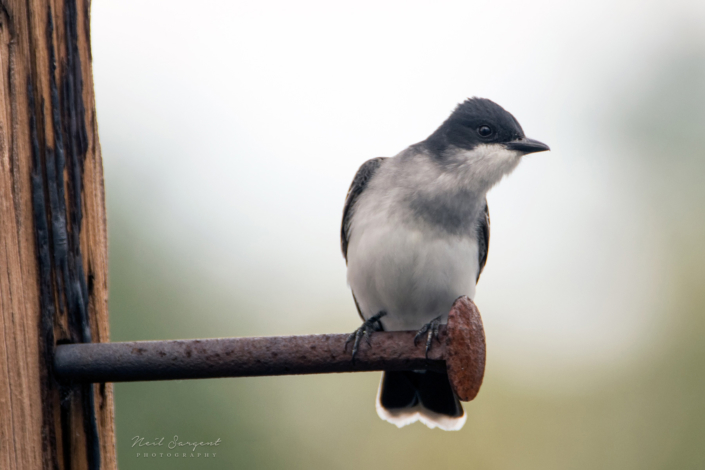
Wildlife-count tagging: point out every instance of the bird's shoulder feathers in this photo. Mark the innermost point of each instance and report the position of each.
(483, 238)
(360, 182)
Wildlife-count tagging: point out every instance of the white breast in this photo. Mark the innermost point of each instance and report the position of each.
(403, 262)
(413, 273)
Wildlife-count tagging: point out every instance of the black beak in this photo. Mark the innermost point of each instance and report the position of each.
(526, 145)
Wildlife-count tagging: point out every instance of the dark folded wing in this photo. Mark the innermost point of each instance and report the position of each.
(483, 238)
(362, 178)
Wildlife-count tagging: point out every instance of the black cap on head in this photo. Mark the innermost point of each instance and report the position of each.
(477, 121)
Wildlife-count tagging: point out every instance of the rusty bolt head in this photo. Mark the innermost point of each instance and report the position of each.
(465, 349)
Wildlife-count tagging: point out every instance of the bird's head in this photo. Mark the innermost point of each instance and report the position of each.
(482, 137)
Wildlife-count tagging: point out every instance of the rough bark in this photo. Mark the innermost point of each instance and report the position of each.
(53, 245)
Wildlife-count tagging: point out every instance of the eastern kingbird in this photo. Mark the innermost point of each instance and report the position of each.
(415, 236)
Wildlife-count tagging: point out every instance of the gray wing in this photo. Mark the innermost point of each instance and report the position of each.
(483, 238)
(362, 178)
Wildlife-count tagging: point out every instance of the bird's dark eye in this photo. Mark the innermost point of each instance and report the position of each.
(484, 131)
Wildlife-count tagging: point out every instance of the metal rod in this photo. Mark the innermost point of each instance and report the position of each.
(459, 350)
(242, 357)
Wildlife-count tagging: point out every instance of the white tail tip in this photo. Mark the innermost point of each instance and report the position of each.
(404, 416)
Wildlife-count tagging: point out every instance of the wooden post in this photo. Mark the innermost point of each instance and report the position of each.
(53, 245)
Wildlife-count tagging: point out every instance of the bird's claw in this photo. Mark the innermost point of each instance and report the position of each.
(432, 329)
(367, 327)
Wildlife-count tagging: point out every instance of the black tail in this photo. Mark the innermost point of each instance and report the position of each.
(405, 397)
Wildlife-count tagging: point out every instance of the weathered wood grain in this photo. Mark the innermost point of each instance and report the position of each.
(53, 243)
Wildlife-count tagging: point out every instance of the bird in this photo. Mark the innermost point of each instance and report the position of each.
(415, 236)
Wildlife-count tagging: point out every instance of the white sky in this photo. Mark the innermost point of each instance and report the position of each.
(235, 128)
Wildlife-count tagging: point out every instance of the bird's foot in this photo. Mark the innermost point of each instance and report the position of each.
(432, 329)
(368, 326)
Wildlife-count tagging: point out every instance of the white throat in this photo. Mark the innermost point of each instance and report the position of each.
(484, 166)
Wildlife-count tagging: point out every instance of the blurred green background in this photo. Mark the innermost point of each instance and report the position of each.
(230, 132)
